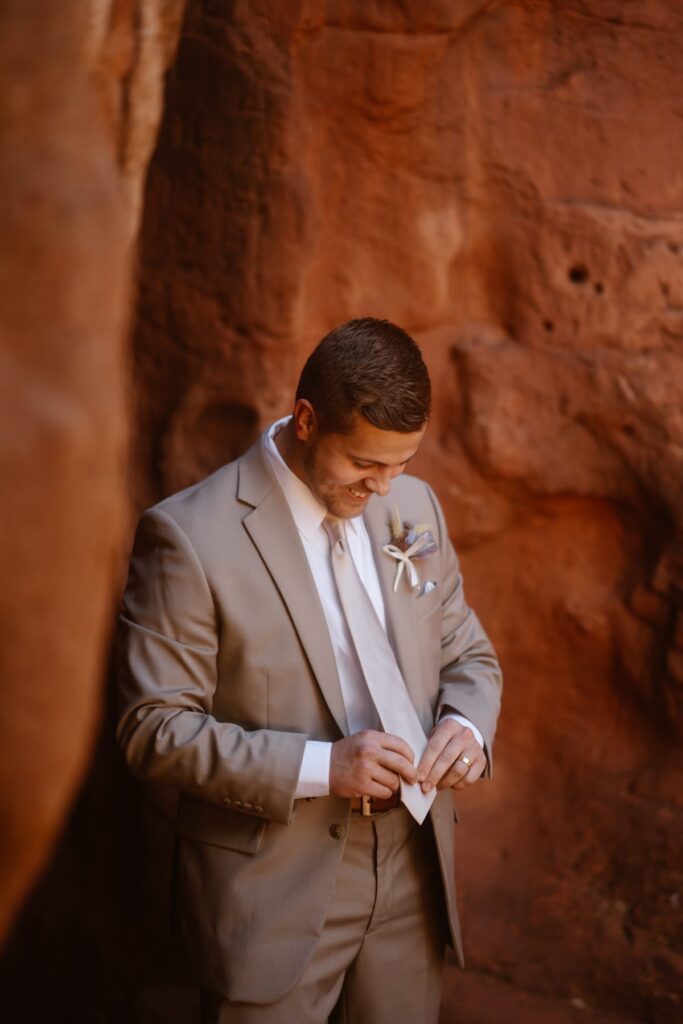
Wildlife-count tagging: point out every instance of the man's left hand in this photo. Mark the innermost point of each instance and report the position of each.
(442, 765)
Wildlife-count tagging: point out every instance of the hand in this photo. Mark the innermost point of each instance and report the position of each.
(440, 765)
(370, 763)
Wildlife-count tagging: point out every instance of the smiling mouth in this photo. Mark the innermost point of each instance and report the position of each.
(358, 495)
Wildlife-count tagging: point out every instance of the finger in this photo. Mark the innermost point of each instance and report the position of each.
(379, 791)
(395, 743)
(468, 780)
(460, 775)
(437, 741)
(443, 763)
(386, 778)
(399, 765)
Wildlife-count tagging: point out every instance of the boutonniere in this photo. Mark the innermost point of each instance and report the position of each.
(407, 543)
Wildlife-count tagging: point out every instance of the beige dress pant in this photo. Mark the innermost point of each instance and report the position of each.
(380, 957)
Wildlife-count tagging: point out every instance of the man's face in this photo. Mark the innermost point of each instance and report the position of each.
(345, 470)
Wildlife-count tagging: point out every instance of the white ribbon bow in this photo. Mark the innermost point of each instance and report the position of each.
(403, 559)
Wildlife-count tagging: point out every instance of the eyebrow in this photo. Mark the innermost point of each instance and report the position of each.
(376, 462)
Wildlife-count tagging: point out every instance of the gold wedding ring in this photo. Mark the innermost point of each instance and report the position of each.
(465, 760)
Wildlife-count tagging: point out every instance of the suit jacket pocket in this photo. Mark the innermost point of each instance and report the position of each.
(219, 826)
(426, 603)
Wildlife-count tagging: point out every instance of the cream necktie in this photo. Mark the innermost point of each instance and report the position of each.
(380, 668)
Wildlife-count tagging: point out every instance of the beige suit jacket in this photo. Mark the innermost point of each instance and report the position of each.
(227, 668)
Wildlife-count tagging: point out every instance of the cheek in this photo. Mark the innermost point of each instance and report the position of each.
(339, 473)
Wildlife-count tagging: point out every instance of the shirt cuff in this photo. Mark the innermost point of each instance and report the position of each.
(314, 775)
(445, 712)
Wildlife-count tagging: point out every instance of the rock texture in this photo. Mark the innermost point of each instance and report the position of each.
(503, 179)
(79, 102)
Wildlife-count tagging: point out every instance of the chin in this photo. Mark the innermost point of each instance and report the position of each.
(344, 507)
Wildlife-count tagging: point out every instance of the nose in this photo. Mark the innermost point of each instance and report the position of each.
(380, 481)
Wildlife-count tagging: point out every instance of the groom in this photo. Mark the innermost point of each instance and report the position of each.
(298, 659)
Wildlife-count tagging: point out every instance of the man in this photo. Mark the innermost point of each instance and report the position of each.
(298, 660)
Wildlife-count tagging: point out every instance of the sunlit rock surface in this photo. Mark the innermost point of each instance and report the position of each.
(80, 88)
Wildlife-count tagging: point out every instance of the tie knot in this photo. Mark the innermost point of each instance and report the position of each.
(335, 530)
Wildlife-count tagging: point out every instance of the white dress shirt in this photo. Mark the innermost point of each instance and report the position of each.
(308, 514)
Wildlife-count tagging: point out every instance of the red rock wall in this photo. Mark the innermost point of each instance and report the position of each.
(78, 117)
(502, 179)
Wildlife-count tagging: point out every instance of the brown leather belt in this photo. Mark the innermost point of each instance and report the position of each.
(369, 805)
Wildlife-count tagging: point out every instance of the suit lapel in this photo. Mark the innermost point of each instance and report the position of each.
(273, 531)
(400, 606)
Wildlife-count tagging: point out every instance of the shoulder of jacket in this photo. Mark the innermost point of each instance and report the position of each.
(214, 494)
(409, 488)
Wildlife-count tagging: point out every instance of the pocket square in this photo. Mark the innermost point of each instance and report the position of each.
(427, 588)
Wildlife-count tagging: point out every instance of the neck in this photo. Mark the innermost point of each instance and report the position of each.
(290, 449)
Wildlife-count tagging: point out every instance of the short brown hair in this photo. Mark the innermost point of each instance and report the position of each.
(368, 366)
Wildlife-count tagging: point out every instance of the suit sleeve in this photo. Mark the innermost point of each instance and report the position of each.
(168, 645)
(471, 680)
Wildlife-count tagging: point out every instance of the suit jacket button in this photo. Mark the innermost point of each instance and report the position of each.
(337, 831)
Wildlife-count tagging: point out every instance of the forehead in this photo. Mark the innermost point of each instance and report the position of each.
(370, 444)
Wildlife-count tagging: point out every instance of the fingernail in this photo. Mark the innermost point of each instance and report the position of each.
(421, 777)
(426, 787)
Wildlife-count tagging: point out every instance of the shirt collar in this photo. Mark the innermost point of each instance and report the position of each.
(307, 510)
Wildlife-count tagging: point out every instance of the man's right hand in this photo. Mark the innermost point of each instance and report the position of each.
(370, 763)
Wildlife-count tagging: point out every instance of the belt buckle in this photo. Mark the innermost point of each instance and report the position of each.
(366, 806)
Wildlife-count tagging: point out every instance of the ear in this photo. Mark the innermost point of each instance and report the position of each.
(304, 420)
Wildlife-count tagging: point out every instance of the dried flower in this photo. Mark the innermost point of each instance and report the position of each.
(408, 542)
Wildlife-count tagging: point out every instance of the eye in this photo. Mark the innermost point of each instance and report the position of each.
(361, 465)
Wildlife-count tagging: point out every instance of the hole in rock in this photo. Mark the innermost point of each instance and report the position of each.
(578, 273)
